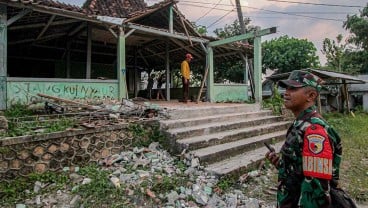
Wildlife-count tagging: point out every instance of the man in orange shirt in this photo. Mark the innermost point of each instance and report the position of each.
(185, 76)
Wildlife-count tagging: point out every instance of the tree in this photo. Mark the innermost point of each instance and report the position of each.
(231, 70)
(358, 27)
(288, 54)
(233, 29)
(200, 28)
(339, 56)
(334, 52)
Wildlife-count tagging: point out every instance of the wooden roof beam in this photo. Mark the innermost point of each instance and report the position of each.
(18, 16)
(164, 33)
(177, 42)
(63, 22)
(46, 27)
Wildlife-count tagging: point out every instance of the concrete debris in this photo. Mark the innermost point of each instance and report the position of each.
(155, 165)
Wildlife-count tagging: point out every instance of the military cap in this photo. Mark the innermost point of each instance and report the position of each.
(299, 79)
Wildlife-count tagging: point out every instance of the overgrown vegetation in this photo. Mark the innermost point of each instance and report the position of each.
(354, 168)
(100, 192)
(22, 121)
(275, 103)
(22, 188)
(145, 135)
(18, 110)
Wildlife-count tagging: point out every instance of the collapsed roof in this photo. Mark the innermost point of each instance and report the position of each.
(46, 29)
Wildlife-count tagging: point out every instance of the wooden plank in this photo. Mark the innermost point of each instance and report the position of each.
(90, 107)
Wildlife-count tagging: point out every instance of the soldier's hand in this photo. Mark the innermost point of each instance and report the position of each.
(273, 158)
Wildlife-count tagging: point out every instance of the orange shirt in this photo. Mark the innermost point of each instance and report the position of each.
(185, 69)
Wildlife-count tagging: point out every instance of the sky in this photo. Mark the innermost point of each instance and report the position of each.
(291, 17)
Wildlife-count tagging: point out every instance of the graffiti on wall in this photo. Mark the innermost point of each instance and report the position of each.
(26, 92)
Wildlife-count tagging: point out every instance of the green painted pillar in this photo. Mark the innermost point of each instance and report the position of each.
(171, 19)
(210, 80)
(258, 69)
(122, 66)
(3, 56)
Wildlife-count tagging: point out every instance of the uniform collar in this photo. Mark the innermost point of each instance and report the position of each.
(306, 111)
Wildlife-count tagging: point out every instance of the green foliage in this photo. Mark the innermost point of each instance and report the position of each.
(231, 70)
(60, 179)
(275, 102)
(233, 29)
(200, 28)
(20, 128)
(100, 192)
(18, 110)
(339, 57)
(226, 182)
(287, 54)
(145, 135)
(167, 184)
(180, 165)
(358, 26)
(353, 133)
(15, 190)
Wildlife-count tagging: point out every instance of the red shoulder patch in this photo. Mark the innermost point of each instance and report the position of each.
(317, 153)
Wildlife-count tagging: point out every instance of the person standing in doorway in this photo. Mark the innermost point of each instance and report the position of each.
(185, 76)
(150, 86)
(160, 80)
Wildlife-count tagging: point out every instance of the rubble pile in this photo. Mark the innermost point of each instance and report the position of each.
(142, 172)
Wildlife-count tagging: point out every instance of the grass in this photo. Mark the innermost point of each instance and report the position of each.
(101, 193)
(22, 121)
(15, 190)
(354, 168)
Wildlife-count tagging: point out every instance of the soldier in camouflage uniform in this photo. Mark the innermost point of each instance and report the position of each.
(309, 161)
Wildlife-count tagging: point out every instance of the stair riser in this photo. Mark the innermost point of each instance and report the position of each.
(194, 113)
(221, 155)
(216, 119)
(215, 129)
(232, 138)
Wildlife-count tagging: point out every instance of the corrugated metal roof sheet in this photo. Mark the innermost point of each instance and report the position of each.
(326, 75)
(331, 75)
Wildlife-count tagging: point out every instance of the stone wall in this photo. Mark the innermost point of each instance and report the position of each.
(20, 156)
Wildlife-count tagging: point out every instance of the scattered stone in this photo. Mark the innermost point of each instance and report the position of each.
(37, 187)
(86, 181)
(3, 124)
(132, 169)
(115, 181)
(194, 163)
(75, 201)
(172, 197)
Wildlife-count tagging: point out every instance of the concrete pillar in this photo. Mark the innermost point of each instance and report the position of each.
(365, 102)
(258, 69)
(210, 79)
(122, 66)
(3, 56)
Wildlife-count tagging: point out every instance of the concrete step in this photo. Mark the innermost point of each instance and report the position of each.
(183, 113)
(203, 141)
(212, 154)
(241, 162)
(210, 128)
(202, 119)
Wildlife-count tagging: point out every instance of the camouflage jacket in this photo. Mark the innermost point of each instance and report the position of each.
(294, 189)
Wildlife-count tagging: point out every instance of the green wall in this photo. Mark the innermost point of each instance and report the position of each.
(230, 93)
(24, 90)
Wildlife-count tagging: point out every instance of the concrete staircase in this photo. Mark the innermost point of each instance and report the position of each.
(226, 139)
